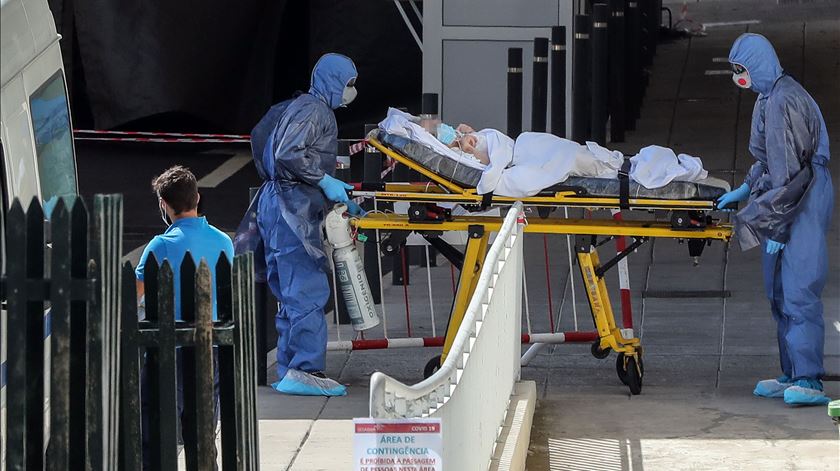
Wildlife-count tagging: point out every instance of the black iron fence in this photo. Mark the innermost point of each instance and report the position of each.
(155, 340)
(68, 307)
(72, 319)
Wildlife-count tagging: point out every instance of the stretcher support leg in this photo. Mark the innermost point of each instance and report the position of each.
(473, 259)
(628, 364)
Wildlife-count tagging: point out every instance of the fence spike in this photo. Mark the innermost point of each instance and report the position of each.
(130, 438)
(223, 288)
(35, 334)
(166, 356)
(205, 444)
(188, 291)
(150, 287)
(60, 381)
(16, 394)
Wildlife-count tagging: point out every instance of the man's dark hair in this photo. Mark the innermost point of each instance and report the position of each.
(177, 186)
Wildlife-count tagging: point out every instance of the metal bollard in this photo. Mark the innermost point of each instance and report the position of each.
(558, 81)
(632, 51)
(647, 21)
(600, 57)
(539, 89)
(656, 16)
(429, 105)
(429, 112)
(581, 106)
(617, 69)
(514, 92)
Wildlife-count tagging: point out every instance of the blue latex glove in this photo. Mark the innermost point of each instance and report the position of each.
(355, 210)
(335, 189)
(738, 194)
(774, 247)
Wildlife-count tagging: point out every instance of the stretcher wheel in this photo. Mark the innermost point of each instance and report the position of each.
(431, 366)
(628, 373)
(598, 353)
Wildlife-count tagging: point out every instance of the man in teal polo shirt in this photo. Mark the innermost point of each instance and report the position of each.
(178, 197)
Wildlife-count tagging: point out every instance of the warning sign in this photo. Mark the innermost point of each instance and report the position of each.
(397, 445)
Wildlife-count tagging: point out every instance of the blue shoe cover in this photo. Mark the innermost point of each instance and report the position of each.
(772, 387)
(806, 392)
(298, 383)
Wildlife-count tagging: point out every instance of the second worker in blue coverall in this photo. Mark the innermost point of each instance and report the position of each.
(790, 203)
(295, 147)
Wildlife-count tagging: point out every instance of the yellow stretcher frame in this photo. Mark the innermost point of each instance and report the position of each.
(479, 228)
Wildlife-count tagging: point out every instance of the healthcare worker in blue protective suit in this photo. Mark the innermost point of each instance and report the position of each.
(295, 147)
(790, 199)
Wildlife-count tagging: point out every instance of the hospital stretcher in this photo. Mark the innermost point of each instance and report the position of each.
(689, 220)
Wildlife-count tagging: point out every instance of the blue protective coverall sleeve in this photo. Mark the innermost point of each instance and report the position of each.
(789, 134)
(291, 150)
(755, 172)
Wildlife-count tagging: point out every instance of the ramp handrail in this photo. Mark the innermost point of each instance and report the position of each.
(471, 401)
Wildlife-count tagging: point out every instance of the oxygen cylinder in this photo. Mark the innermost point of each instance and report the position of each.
(349, 271)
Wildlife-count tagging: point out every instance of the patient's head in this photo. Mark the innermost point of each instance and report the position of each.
(475, 144)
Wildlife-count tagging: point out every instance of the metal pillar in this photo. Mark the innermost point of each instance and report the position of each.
(558, 81)
(581, 106)
(514, 92)
(600, 58)
(539, 90)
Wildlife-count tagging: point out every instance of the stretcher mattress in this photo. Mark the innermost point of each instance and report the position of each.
(708, 189)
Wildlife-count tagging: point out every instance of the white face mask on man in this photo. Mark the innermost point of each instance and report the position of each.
(163, 214)
(349, 93)
(741, 76)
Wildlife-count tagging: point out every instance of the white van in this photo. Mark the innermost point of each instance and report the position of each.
(36, 133)
(35, 127)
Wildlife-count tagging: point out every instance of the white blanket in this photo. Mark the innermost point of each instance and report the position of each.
(538, 160)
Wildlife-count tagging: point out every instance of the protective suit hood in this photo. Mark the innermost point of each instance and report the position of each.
(756, 54)
(329, 77)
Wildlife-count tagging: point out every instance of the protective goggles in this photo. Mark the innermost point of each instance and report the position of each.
(738, 68)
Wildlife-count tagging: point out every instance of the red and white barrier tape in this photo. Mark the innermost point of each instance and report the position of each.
(357, 147)
(166, 140)
(162, 134)
(391, 165)
(176, 137)
(418, 342)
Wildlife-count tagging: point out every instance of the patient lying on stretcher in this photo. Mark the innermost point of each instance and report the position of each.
(535, 161)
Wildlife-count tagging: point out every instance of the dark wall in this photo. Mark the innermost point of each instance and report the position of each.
(389, 62)
(214, 66)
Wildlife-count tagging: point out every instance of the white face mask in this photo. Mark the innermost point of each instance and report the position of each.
(348, 95)
(163, 216)
(741, 76)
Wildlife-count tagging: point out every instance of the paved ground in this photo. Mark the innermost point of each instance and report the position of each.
(702, 355)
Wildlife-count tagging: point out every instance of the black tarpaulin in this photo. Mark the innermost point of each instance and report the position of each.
(212, 60)
(218, 66)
